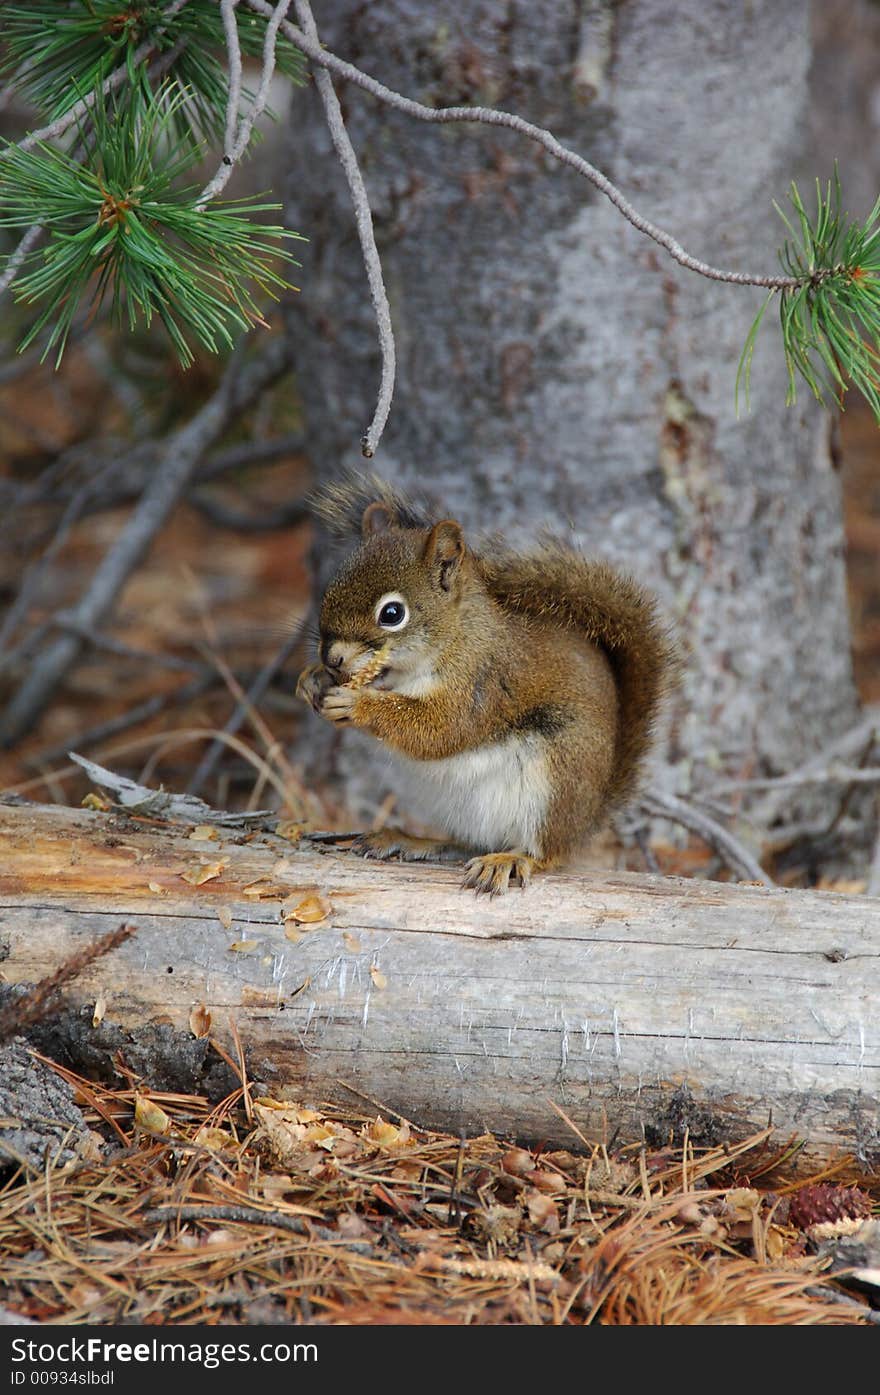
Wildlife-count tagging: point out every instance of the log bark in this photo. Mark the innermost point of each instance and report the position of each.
(638, 1005)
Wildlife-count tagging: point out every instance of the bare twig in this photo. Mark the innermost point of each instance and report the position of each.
(233, 51)
(161, 804)
(35, 1005)
(132, 717)
(241, 1215)
(172, 475)
(29, 241)
(832, 775)
(364, 220)
(265, 521)
(115, 79)
(74, 509)
(240, 128)
(246, 703)
(730, 849)
(246, 708)
(488, 116)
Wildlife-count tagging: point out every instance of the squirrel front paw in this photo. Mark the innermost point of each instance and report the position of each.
(337, 705)
(319, 688)
(313, 683)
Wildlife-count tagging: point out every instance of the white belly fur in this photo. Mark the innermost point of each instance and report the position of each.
(491, 798)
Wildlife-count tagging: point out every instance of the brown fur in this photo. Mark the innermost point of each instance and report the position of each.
(567, 651)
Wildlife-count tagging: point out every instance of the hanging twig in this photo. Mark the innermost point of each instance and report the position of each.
(26, 245)
(238, 135)
(364, 220)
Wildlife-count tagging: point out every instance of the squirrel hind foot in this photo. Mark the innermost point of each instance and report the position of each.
(388, 843)
(491, 873)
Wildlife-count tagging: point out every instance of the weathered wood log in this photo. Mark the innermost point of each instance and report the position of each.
(633, 1003)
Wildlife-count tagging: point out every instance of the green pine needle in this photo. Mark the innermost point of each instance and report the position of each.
(55, 52)
(831, 320)
(119, 230)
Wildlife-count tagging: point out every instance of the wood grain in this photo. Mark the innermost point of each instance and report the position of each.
(630, 1002)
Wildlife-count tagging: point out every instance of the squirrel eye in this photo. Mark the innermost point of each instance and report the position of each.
(392, 613)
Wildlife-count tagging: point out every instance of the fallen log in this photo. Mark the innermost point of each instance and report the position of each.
(636, 1005)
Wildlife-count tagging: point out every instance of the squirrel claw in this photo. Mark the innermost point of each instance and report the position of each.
(492, 872)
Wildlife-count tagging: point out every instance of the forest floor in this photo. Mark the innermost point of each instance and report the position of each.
(310, 1211)
(266, 1210)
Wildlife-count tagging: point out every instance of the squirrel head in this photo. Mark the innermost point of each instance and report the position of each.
(397, 603)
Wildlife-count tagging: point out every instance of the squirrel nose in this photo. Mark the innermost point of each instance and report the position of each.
(334, 653)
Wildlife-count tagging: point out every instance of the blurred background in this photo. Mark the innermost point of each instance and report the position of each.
(218, 606)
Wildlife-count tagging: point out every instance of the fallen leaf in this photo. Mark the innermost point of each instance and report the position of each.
(156, 889)
(200, 1021)
(543, 1213)
(99, 1010)
(290, 831)
(244, 946)
(310, 911)
(205, 831)
(224, 915)
(386, 1135)
(548, 1182)
(212, 1138)
(351, 942)
(97, 801)
(206, 872)
(379, 979)
(149, 1116)
(517, 1162)
(261, 889)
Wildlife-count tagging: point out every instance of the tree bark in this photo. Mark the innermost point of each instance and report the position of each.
(557, 368)
(637, 1005)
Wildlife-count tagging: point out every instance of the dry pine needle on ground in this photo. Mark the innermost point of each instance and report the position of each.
(266, 1210)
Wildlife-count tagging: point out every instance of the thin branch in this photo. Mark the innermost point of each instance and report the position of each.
(133, 717)
(27, 243)
(233, 50)
(246, 703)
(364, 220)
(488, 116)
(833, 775)
(169, 481)
(240, 1215)
(74, 509)
(110, 84)
(42, 999)
(237, 140)
(268, 521)
(735, 855)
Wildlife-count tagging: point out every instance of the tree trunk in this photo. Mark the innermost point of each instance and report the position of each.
(555, 367)
(643, 1005)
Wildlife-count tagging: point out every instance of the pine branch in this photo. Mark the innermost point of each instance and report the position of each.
(120, 229)
(59, 57)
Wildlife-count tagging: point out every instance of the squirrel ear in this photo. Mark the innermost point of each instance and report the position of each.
(445, 550)
(377, 518)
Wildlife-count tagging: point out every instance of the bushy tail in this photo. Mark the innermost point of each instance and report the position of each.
(557, 583)
(340, 504)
